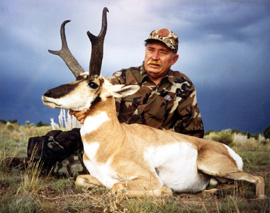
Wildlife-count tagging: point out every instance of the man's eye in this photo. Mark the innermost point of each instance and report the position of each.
(93, 85)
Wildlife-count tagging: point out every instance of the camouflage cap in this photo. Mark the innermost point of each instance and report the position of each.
(166, 36)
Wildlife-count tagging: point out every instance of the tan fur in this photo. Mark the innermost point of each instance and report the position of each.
(213, 157)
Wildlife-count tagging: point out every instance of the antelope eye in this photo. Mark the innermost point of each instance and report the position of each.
(93, 85)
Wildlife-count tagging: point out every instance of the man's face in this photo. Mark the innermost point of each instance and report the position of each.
(158, 60)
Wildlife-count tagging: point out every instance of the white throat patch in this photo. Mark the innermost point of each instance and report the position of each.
(92, 123)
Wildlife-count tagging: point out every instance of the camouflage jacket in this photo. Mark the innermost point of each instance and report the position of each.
(172, 104)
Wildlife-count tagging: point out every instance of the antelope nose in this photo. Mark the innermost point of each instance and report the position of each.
(47, 93)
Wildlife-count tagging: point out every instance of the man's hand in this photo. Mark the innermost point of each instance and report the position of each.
(80, 115)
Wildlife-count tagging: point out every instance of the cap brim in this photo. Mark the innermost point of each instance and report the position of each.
(151, 39)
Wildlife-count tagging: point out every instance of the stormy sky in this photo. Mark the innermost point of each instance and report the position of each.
(224, 49)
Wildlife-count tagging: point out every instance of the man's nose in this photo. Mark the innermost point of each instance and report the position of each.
(155, 55)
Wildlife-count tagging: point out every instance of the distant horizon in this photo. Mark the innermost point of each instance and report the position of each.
(57, 122)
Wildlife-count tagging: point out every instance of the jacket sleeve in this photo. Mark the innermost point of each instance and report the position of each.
(118, 77)
(190, 121)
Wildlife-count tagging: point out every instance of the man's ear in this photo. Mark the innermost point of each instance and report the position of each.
(120, 91)
(175, 58)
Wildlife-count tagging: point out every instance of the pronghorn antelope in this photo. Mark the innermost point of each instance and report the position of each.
(134, 159)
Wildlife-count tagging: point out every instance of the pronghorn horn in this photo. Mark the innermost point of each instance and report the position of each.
(66, 55)
(97, 46)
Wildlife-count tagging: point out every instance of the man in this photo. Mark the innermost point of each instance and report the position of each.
(166, 100)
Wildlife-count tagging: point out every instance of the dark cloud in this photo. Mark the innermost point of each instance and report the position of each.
(244, 107)
(220, 21)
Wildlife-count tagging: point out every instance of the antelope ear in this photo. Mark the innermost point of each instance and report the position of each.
(120, 91)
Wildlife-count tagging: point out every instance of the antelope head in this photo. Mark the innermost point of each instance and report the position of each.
(88, 88)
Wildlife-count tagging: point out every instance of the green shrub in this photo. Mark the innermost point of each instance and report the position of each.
(266, 132)
(223, 137)
(208, 132)
(40, 123)
(3, 121)
(10, 126)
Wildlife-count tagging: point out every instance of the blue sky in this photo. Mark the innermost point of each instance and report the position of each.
(224, 50)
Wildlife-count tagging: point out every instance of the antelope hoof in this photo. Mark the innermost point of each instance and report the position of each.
(165, 191)
(261, 197)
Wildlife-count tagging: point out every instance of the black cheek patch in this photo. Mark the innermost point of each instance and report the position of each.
(97, 99)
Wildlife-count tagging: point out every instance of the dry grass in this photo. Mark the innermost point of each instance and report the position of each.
(29, 191)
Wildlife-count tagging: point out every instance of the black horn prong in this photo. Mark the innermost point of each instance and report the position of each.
(97, 46)
(66, 55)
